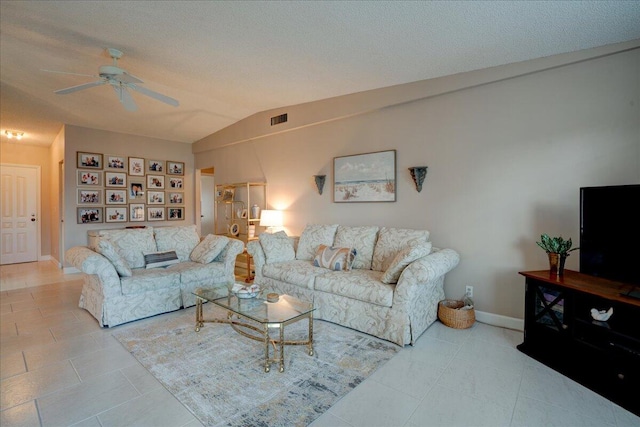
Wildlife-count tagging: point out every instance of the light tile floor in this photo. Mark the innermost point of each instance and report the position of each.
(59, 368)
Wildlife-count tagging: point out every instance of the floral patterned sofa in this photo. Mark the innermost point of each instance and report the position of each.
(135, 273)
(390, 289)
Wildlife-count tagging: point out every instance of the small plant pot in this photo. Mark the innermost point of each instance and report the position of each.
(556, 263)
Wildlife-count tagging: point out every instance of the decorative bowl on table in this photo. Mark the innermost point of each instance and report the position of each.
(245, 291)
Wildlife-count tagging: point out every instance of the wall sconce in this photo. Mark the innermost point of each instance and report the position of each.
(320, 182)
(14, 134)
(418, 173)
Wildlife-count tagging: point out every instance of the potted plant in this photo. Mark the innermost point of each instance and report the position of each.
(558, 250)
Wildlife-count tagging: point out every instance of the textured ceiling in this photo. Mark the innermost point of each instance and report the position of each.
(227, 60)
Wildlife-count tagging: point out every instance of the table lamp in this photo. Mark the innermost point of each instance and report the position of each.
(270, 219)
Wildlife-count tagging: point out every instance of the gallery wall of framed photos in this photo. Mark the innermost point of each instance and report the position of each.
(120, 189)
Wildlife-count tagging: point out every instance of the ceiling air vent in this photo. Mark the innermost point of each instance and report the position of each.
(278, 119)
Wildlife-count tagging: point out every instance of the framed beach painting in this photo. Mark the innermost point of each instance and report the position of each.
(369, 177)
(116, 163)
(136, 166)
(136, 212)
(89, 160)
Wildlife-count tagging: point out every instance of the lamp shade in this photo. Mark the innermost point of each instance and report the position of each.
(270, 218)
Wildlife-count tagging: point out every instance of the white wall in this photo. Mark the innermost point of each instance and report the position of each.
(506, 161)
(105, 142)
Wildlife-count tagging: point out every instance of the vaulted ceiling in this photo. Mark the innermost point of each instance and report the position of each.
(226, 60)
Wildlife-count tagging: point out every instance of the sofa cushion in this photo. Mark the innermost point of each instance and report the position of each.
(131, 243)
(160, 259)
(195, 273)
(362, 239)
(334, 258)
(390, 242)
(150, 280)
(106, 249)
(297, 272)
(182, 239)
(208, 249)
(361, 285)
(277, 247)
(406, 256)
(313, 236)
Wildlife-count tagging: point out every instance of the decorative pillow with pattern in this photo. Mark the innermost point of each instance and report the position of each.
(414, 251)
(182, 239)
(131, 243)
(363, 239)
(208, 249)
(312, 237)
(336, 259)
(277, 247)
(160, 259)
(106, 249)
(390, 242)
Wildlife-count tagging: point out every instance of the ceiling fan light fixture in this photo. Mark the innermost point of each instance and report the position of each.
(14, 134)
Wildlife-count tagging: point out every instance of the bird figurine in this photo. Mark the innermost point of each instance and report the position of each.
(601, 315)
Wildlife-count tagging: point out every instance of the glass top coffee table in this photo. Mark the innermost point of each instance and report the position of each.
(256, 318)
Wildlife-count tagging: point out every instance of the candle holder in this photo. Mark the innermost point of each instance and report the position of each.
(320, 182)
(418, 173)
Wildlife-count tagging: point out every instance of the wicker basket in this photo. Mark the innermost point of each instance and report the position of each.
(450, 314)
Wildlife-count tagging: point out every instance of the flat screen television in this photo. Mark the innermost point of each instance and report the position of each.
(610, 232)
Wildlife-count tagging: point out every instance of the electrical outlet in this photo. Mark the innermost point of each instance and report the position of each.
(469, 291)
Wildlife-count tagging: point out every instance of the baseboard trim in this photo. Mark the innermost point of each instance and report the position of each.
(45, 258)
(499, 320)
(70, 270)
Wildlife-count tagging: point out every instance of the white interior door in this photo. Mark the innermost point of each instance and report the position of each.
(19, 230)
(207, 200)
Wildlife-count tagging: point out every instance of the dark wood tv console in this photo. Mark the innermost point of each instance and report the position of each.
(560, 332)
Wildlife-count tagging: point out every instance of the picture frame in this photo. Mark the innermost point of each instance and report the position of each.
(89, 196)
(89, 215)
(175, 214)
(175, 198)
(116, 163)
(155, 166)
(89, 178)
(226, 194)
(175, 168)
(176, 182)
(155, 214)
(115, 197)
(155, 197)
(136, 189)
(136, 166)
(115, 179)
(115, 214)
(89, 160)
(155, 182)
(368, 177)
(136, 212)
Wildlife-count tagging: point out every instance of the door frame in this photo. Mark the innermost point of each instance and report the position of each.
(38, 170)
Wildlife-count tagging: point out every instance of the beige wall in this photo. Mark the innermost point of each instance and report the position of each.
(506, 160)
(99, 141)
(21, 154)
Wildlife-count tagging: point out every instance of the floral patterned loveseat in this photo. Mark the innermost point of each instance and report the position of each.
(391, 289)
(135, 273)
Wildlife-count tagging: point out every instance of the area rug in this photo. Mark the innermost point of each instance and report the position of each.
(219, 374)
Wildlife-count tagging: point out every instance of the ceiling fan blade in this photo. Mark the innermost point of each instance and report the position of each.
(71, 74)
(155, 95)
(125, 98)
(129, 78)
(79, 87)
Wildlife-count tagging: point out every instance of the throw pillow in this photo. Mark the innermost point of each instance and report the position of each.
(336, 259)
(312, 237)
(277, 247)
(160, 259)
(403, 259)
(181, 239)
(363, 239)
(390, 242)
(208, 249)
(106, 249)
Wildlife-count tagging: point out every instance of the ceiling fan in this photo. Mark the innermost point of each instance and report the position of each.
(120, 80)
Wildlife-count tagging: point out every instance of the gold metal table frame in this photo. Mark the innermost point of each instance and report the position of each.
(240, 312)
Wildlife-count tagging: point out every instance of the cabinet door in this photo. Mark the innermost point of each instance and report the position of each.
(549, 307)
